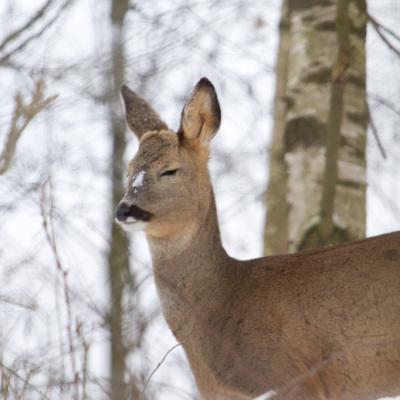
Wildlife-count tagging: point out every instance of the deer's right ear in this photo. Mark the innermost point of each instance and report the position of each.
(140, 116)
(201, 116)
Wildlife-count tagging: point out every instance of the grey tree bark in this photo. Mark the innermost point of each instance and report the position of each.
(320, 127)
(118, 258)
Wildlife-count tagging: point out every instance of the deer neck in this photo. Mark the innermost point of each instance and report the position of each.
(189, 270)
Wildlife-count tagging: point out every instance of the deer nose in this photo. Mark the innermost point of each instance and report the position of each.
(122, 212)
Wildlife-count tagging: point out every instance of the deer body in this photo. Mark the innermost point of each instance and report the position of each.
(316, 325)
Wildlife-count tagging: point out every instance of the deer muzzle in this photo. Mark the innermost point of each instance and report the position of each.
(130, 213)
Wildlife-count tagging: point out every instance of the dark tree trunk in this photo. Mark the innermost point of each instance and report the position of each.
(118, 260)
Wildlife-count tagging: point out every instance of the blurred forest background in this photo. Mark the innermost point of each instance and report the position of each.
(79, 315)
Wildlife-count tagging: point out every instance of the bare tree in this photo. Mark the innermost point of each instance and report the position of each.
(118, 257)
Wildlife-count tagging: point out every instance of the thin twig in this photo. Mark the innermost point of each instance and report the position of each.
(378, 29)
(50, 237)
(22, 116)
(38, 15)
(376, 134)
(30, 305)
(36, 35)
(384, 28)
(159, 365)
(85, 357)
(19, 377)
(381, 101)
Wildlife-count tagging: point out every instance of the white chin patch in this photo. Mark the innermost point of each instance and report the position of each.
(132, 225)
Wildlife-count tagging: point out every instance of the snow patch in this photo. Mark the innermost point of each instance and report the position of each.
(138, 181)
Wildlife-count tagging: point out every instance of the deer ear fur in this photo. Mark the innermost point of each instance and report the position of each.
(140, 116)
(201, 115)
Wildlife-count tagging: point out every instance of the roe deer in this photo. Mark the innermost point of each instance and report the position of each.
(322, 324)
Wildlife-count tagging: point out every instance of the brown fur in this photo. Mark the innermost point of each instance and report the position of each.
(318, 325)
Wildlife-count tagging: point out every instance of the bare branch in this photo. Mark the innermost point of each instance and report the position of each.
(5, 58)
(23, 380)
(22, 116)
(35, 17)
(384, 28)
(376, 134)
(379, 28)
(47, 220)
(159, 365)
(381, 101)
(29, 304)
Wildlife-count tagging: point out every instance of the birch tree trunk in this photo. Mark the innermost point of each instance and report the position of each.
(118, 260)
(320, 127)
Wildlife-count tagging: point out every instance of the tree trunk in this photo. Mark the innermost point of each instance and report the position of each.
(118, 260)
(322, 129)
(276, 231)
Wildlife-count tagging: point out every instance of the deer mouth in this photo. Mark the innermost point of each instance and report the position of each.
(138, 214)
(133, 222)
(129, 214)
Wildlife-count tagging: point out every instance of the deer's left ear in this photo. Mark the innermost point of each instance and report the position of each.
(201, 116)
(140, 116)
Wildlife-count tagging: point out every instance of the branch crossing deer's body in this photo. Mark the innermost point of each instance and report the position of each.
(316, 325)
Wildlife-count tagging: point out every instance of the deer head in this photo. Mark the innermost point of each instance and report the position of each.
(168, 182)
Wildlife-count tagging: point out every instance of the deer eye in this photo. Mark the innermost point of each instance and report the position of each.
(169, 172)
